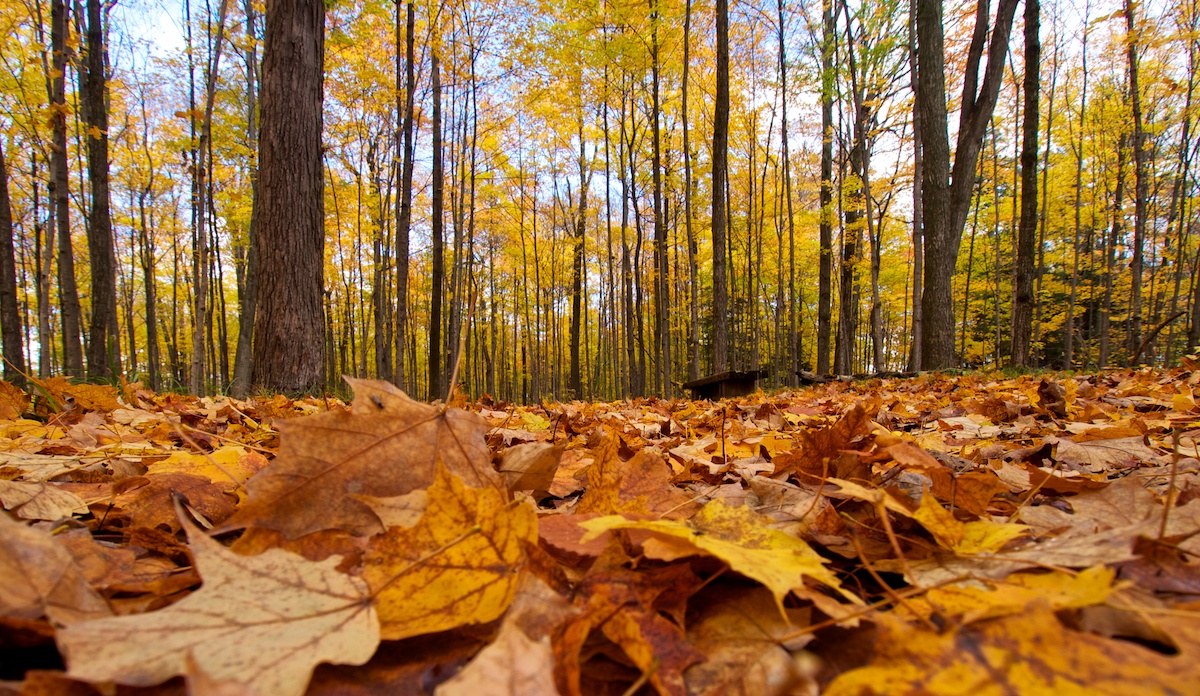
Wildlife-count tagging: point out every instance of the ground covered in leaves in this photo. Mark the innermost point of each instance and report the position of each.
(972, 534)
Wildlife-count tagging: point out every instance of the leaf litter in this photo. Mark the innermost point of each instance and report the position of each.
(933, 535)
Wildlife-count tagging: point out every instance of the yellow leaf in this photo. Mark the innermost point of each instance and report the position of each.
(1029, 653)
(981, 536)
(261, 621)
(743, 539)
(1017, 593)
(224, 465)
(1185, 400)
(534, 422)
(95, 132)
(459, 565)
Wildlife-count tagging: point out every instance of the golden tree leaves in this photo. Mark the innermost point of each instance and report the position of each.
(261, 621)
(458, 565)
(386, 446)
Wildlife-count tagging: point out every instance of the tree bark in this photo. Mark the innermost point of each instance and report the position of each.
(240, 386)
(825, 281)
(793, 348)
(289, 350)
(918, 247)
(662, 334)
(60, 193)
(10, 314)
(1022, 306)
(720, 170)
(1141, 182)
(946, 192)
(693, 266)
(104, 349)
(404, 203)
(438, 250)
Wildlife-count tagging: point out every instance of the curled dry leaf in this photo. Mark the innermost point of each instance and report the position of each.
(458, 565)
(38, 578)
(386, 446)
(531, 466)
(263, 622)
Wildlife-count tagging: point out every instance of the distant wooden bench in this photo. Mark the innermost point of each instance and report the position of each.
(724, 385)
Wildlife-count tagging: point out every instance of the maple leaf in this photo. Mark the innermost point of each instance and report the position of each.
(386, 446)
(640, 485)
(263, 622)
(743, 539)
(39, 578)
(458, 565)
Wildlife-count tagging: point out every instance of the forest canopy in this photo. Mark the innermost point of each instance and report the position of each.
(598, 200)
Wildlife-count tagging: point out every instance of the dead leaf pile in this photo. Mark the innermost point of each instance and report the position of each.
(929, 535)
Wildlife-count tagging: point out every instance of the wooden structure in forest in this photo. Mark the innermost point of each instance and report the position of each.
(724, 384)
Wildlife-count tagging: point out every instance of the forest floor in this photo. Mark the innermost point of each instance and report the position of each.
(969, 534)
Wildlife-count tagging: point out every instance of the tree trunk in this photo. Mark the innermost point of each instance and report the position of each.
(662, 333)
(289, 350)
(720, 170)
(404, 203)
(918, 247)
(1141, 184)
(1069, 329)
(1022, 304)
(693, 266)
(1110, 251)
(793, 348)
(946, 192)
(60, 194)
(825, 282)
(246, 299)
(438, 251)
(104, 350)
(10, 315)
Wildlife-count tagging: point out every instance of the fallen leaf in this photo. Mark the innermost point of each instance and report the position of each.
(981, 536)
(640, 485)
(743, 639)
(531, 466)
(458, 565)
(1029, 653)
(38, 578)
(388, 445)
(513, 663)
(1104, 455)
(263, 622)
(40, 501)
(744, 540)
